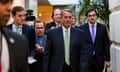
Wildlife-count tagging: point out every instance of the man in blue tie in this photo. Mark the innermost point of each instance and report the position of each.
(40, 41)
(98, 43)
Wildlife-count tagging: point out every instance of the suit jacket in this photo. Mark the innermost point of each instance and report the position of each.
(101, 44)
(18, 51)
(50, 25)
(28, 31)
(55, 55)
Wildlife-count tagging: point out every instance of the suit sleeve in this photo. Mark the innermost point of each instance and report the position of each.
(47, 27)
(83, 55)
(106, 45)
(47, 54)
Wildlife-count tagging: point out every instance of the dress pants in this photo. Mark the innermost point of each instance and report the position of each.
(66, 68)
(93, 65)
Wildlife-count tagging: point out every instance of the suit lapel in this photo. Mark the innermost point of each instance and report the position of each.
(8, 36)
(23, 29)
(61, 37)
(10, 26)
(97, 32)
(71, 39)
(88, 32)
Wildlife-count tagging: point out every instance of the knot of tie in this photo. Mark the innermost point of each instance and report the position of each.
(92, 25)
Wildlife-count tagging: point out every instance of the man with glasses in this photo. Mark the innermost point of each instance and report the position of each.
(98, 43)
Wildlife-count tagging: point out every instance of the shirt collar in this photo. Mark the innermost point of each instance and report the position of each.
(95, 24)
(14, 26)
(65, 28)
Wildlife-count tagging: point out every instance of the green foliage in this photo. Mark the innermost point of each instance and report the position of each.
(102, 9)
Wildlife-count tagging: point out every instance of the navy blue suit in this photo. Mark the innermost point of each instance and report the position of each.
(50, 26)
(101, 45)
(54, 57)
(28, 31)
(18, 51)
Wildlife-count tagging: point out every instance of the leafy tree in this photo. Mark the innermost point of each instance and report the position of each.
(101, 7)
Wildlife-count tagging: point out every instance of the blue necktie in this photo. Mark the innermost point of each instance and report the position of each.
(93, 37)
(93, 33)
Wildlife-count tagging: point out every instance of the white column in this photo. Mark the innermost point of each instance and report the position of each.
(114, 6)
(19, 3)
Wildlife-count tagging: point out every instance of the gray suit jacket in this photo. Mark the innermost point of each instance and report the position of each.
(54, 51)
(18, 51)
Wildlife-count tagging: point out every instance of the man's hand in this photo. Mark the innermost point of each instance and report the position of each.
(108, 63)
(39, 49)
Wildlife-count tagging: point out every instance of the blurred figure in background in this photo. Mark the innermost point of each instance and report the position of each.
(74, 21)
(80, 23)
(40, 40)
(19, 26)
(56, 16)
(13, 54)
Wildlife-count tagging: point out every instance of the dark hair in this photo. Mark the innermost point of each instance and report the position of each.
(89, 10)
(38, 21)
(16, 9)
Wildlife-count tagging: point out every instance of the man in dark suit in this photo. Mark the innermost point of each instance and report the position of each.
(19, 26)
(56, 16)
(98, 43)
(65, 48)
(14, 48)
(40, 41)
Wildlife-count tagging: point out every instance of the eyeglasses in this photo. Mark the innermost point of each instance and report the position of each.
(92, 15)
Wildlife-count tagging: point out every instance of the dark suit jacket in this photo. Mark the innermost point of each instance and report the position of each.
(101, 44)
(28, 31)
(18, 51)
(50, 26)
(54, 51)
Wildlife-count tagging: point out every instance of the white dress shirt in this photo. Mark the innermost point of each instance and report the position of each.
(19, 28)
(4, 55)
(95, 28)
